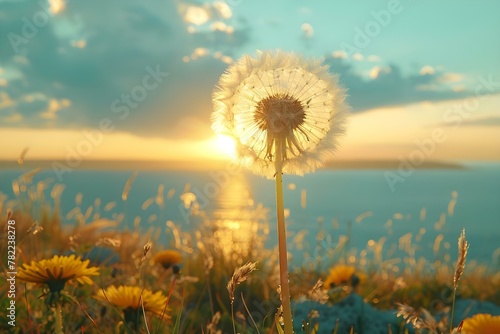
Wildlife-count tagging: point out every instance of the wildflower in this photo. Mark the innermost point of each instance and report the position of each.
(279, 101)
(167, 258)
(132, 299)
(481, 324)
(342, 275)
(55, 272)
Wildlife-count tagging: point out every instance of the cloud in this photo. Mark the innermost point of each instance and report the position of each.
(78, 74)
(387, 86)
(307, 30)
(486, 121)
(71, 69)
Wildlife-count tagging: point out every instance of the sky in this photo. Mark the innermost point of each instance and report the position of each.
(127, 80)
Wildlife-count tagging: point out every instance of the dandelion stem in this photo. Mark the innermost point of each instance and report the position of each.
(285, 290)
(58, 327)
(168, 300)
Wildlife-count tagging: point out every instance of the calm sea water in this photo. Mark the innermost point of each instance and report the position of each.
(359, 203)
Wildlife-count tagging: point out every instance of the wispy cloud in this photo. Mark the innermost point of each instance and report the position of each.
(386, 85)
(493, 121)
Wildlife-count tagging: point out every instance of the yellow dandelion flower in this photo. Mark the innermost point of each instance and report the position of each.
(481, 324)
(279, 101)
(167, 258)
(129, 298)
(58, 270)
(342, 275)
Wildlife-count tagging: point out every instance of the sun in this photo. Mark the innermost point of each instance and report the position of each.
(226, 145)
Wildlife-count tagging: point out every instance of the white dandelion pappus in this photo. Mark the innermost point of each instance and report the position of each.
(280, 99)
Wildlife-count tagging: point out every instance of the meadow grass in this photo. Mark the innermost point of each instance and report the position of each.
(219, 288)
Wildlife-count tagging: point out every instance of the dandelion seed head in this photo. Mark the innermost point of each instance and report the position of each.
(280, 97)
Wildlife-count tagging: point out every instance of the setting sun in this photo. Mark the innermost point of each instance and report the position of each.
(226, 145)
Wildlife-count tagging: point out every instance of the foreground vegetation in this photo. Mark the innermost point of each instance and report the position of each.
(205, 280)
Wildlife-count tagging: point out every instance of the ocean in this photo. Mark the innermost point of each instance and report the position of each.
(421, 216)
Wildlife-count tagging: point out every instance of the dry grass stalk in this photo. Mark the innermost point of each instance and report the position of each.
(429, 321)
(426, 321)
(208, 263)
(128, 185)
(108, 242)
(35, 228)
(463, 247)
(147, 248)
(20, 160)
(318, 294)
(212, 326)
(240, 275)
(410, 315)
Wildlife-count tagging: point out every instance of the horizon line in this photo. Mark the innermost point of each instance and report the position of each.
(194, 165)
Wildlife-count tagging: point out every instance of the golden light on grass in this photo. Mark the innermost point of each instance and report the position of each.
(285, 114)
(57, 271)
(481, 324)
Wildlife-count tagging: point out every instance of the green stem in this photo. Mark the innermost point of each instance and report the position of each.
(280, 209)
(58, 317)
(232, 317)
(453, 309)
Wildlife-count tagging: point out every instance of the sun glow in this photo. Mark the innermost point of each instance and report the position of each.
(226, 145)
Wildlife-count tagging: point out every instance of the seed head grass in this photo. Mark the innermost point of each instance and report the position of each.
(211, 277)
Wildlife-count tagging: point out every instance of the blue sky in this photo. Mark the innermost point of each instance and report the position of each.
(66, 66)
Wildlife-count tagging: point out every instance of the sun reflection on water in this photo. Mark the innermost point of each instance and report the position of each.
(239, 224)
